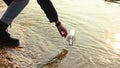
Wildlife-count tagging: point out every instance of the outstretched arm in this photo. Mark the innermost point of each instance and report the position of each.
(52, 15)
(49, 10)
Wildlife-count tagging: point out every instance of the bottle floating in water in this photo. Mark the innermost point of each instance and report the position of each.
(71, 37)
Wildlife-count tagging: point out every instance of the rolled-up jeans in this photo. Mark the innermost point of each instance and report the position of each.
(17, 6)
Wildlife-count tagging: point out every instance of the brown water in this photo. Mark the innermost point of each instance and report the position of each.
(97, 42)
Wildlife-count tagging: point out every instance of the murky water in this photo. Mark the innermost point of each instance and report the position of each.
(97, 28)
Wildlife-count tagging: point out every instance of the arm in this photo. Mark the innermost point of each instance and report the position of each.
(48, 9)
(52, 15)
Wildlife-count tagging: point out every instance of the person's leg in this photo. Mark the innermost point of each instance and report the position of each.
(12, 11)
(8, 2)
(49, 10)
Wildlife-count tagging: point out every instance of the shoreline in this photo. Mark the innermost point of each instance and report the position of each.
(35, 42)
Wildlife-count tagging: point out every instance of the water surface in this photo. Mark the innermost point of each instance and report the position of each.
(97, 28)
(97, 42)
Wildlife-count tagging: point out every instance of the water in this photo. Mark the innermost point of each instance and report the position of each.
(97, 43)
(98, 36)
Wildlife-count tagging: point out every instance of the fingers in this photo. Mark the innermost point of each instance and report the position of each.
(63, 33)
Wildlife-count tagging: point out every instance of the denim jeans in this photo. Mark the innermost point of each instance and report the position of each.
(13, 10)
(17, 6)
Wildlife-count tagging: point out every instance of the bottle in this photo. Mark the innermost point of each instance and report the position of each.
(71, 37)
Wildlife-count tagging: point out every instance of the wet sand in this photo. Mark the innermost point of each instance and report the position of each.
(33, 42)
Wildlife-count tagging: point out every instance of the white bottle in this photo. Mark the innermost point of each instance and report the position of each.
(71, 37)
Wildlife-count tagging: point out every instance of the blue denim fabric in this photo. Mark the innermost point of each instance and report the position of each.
(16, 6)
(13, 10)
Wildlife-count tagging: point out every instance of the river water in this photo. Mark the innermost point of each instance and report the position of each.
(97, 33)
(97, 26)
(98, 36)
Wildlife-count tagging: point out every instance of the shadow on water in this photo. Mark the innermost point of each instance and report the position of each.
(54, 62)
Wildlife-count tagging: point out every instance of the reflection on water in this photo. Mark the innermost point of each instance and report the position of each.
(114, 42)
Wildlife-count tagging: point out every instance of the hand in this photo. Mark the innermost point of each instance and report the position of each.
(62, 30)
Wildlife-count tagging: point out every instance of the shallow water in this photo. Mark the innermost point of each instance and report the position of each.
(98, 37)
(97, 43)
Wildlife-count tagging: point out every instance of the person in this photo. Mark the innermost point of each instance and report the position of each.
(15, 7)
(8, 2)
